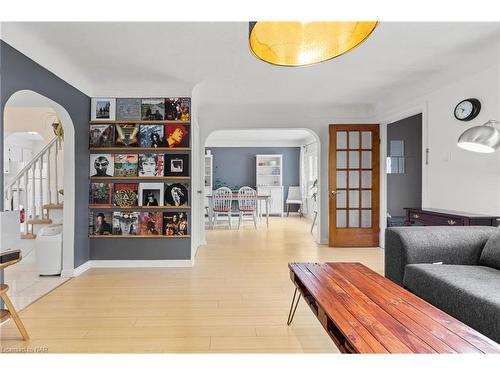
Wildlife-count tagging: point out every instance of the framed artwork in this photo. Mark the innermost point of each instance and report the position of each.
(175, 223)
(153, 109)
(101, 165)
(151, 136)
(176, 135)
(126, 165)
(128, 109)
(150, 223)
(102, 224)
(101, 135)
(125, 223)
(177, 165)
(102, 109)
(125, 195)
(176, 194)
(127, 135)
(151, 165)
(151, 194)
(101, 193)
(178, 109)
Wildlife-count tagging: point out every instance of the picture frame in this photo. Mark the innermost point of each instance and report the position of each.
(151, 165)
(151, 136)
(101, 194)
(176, 135)
(101, 135)
(176, 194)
(125, 223)
(177, 165)
(126, 165)
(128, 109)
(125, 194)
(150, 223)
(102, 223)
(151, 194)
(101, 165)
(103, 109)
(153, 109)
(178, 109)
(127, 135)
(175, 224)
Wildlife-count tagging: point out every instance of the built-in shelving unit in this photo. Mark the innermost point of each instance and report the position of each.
(269, 180)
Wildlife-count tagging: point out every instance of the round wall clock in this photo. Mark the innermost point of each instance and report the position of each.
(467, 109)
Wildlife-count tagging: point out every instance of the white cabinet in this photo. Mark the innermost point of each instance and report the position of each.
(269, 178)
(208, 173)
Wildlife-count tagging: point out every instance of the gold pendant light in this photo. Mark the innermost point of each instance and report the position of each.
(305, 43)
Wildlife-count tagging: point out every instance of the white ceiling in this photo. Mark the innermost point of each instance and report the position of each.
(259, 137)
(212, 62)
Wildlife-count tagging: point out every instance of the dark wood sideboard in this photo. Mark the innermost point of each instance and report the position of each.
(435, 217)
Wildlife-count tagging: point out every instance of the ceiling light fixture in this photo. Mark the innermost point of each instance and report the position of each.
(305, 43)
(484, 138)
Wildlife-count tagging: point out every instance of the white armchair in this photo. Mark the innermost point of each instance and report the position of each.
(294, 196)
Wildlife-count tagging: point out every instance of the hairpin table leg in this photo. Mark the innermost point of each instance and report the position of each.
(291, 314)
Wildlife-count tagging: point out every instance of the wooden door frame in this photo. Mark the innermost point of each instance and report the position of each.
(368, 237)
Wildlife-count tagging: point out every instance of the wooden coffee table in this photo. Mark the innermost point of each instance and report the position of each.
(364, 312)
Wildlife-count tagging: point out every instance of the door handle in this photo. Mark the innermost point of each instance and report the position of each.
(333, 193)
(199, 191)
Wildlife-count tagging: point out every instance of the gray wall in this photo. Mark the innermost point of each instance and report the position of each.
(18, 72)
(236, 165)
(405, 190)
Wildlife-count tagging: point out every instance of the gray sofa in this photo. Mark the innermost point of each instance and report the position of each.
(467, 283)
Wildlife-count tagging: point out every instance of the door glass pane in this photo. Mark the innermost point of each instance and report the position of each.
(354, 159)
(366, 159)
(341, 218)
(341, 198)
(353, 179)
(342, 140)
(366, 218)
(353, 218)
(366, 179)
(342, 159)
(353, 140)
(353, 198)
(366, 199)
(366, 140)
(341, 179)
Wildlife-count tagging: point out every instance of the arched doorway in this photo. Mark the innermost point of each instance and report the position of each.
(28, 117)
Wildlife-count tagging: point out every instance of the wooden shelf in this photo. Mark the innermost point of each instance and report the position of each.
(146, 122)
(137, 236)
(148, 149)
(101, 207)
(140, 178)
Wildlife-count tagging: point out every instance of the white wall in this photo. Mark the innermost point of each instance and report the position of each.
(456, 179)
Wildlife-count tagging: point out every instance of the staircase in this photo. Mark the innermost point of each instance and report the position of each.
(37, 189)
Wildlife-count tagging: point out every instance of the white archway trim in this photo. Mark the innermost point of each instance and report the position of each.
(68, 175)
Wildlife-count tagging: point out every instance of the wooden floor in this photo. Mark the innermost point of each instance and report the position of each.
(234, 300)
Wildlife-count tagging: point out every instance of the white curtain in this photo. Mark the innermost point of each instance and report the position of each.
(303, 178)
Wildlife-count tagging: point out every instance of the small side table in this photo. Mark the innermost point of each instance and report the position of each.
(11, 311)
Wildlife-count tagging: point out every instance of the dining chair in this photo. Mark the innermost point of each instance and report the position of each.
(294, 197)
(247, 204)
(222, 198)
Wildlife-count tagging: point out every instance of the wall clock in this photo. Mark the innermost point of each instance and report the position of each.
(467, 109)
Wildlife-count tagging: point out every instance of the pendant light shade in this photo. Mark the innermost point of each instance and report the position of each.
(304, 43)
(484, 138)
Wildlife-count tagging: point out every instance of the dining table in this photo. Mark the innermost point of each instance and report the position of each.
(260, 197)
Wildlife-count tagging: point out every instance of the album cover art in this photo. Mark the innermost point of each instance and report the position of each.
(153, 109)
(175, 223)
(150, 223)
(101, 165)
(127, 135)
(126, 165)
(177, 109)
(126, 195)
(176, 194)
(177, 165)
(151, 194)
(151, 165)
(128, 109)
(102, 109)
(125, 223)
(101, 193)
(176, 135)
(102, 224)
(151, 136)
(102, 135)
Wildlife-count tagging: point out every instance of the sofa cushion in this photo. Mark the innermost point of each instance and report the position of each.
(469, 293)
(490, 256)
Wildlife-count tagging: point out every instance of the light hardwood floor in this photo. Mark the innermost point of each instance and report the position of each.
(234, 300)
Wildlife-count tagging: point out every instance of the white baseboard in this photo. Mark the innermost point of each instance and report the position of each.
(126, 264)
(81, 269)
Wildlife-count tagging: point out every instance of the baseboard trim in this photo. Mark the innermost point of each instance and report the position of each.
(140, 263)
(81, 269)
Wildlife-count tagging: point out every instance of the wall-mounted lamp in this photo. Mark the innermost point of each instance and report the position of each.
(484, 138)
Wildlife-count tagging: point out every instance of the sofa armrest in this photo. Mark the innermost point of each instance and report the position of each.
(450, 245)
